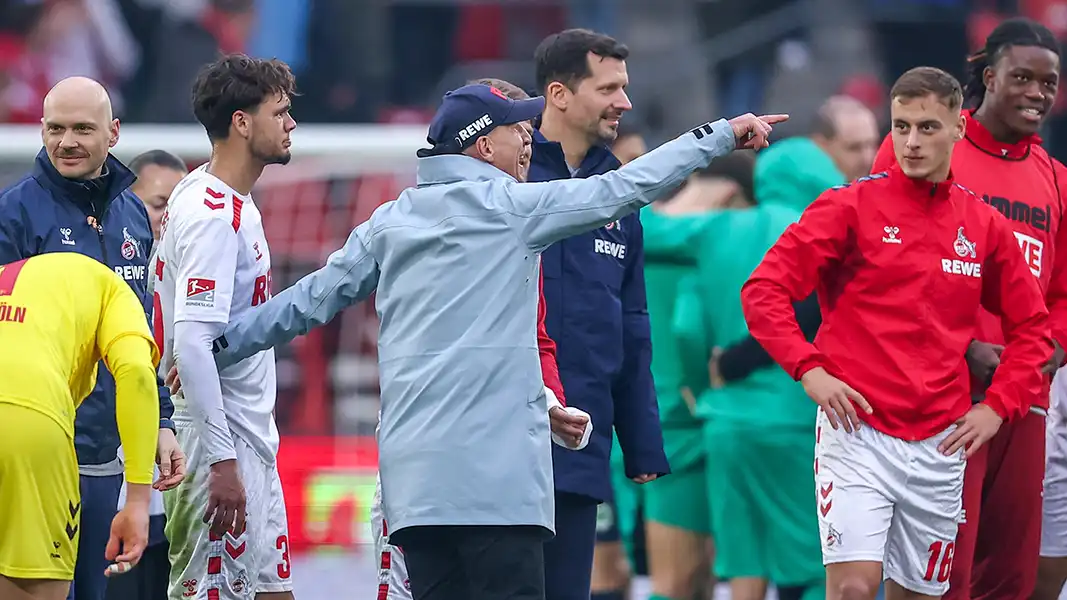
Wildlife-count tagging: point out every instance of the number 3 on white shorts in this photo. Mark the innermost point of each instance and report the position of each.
(282, 543)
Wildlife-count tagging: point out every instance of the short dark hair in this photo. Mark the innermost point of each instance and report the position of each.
(160, 158)
(924, 81)
(509, 89)
(1012, 32)
(563, 56)
(739, 167)
(237, 82)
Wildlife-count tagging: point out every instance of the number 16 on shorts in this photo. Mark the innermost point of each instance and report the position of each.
(888, 500)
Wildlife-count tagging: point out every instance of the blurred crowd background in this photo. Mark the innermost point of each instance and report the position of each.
(389, 62)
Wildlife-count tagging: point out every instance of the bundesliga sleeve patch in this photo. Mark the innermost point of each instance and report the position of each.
(200, 292)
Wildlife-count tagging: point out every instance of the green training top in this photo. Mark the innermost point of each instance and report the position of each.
(670, 256)
(708, 314)
(793, 173)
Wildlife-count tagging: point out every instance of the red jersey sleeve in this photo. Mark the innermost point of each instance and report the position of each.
(790, 271)
(886, 157)
(547, 347)
(1010, 291)
(1056, 295)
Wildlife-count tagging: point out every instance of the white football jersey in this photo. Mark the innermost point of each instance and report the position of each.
(214, 266)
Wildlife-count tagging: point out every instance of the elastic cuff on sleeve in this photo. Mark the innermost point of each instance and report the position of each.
(997, 405)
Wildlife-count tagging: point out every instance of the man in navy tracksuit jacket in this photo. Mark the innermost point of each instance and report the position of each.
(594, 288)
(98, 217)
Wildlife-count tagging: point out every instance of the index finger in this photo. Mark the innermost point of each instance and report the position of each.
(956, 440)
(772, 119)
(239, 521)
(859, 400)
(577, 419)
(132, 554)
(212, 506)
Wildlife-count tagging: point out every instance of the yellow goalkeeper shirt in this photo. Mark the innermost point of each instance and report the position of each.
(60, 314)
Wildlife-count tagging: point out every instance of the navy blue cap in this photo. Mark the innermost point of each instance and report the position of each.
(472, 111)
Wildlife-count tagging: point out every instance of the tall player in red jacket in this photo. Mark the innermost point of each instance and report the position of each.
(901, 262)
(1013, 85)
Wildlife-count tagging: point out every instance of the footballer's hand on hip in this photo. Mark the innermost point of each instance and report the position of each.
(1055, 360)
(983, 359)
(226, 499)
(972, 431)
(752, 132)
(836, 398)
(171, 461)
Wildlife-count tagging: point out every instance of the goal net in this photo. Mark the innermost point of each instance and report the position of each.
(328, 379)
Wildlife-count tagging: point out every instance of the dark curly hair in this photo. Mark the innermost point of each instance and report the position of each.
(1012, 32)
(237, 82)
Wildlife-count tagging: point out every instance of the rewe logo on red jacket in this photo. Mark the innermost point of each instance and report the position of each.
(964, 248)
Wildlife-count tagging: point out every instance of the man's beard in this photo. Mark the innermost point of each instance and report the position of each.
(271, 158)
(601, 135)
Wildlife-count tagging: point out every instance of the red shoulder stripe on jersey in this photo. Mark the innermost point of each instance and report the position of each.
(9, 274)
(213, 206)
(237, 204)
(214, 194)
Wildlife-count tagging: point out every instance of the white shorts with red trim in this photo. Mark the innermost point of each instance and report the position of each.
(227, 567)
(393, 581)
(888, 500)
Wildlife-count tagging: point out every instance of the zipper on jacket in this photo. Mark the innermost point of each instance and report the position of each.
(96, 223)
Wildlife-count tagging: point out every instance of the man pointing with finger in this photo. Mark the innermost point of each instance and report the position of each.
(901, 261)
(464, 447)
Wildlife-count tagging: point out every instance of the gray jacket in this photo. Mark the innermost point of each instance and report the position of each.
(464, 436)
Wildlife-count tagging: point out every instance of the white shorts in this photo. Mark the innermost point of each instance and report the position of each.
(1054, 491)
(393, 581)
(887, 500)
(209, 567)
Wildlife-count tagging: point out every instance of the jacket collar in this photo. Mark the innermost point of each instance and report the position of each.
(920, 188)
(550, 155)
(455, 168)
(978, 135)
(116, 178)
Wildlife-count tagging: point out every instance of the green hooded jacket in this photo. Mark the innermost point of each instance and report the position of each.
(670, 256)
(708, 314)
(793, 173)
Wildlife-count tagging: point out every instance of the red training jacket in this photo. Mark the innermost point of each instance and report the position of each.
(901, 267)
(546, 347)
(1027, 186)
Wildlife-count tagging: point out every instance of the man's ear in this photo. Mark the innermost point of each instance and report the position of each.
(483, 149)
(241, 123)
(989, 77)
(113, 137)
(558, 95)
(961, 128)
